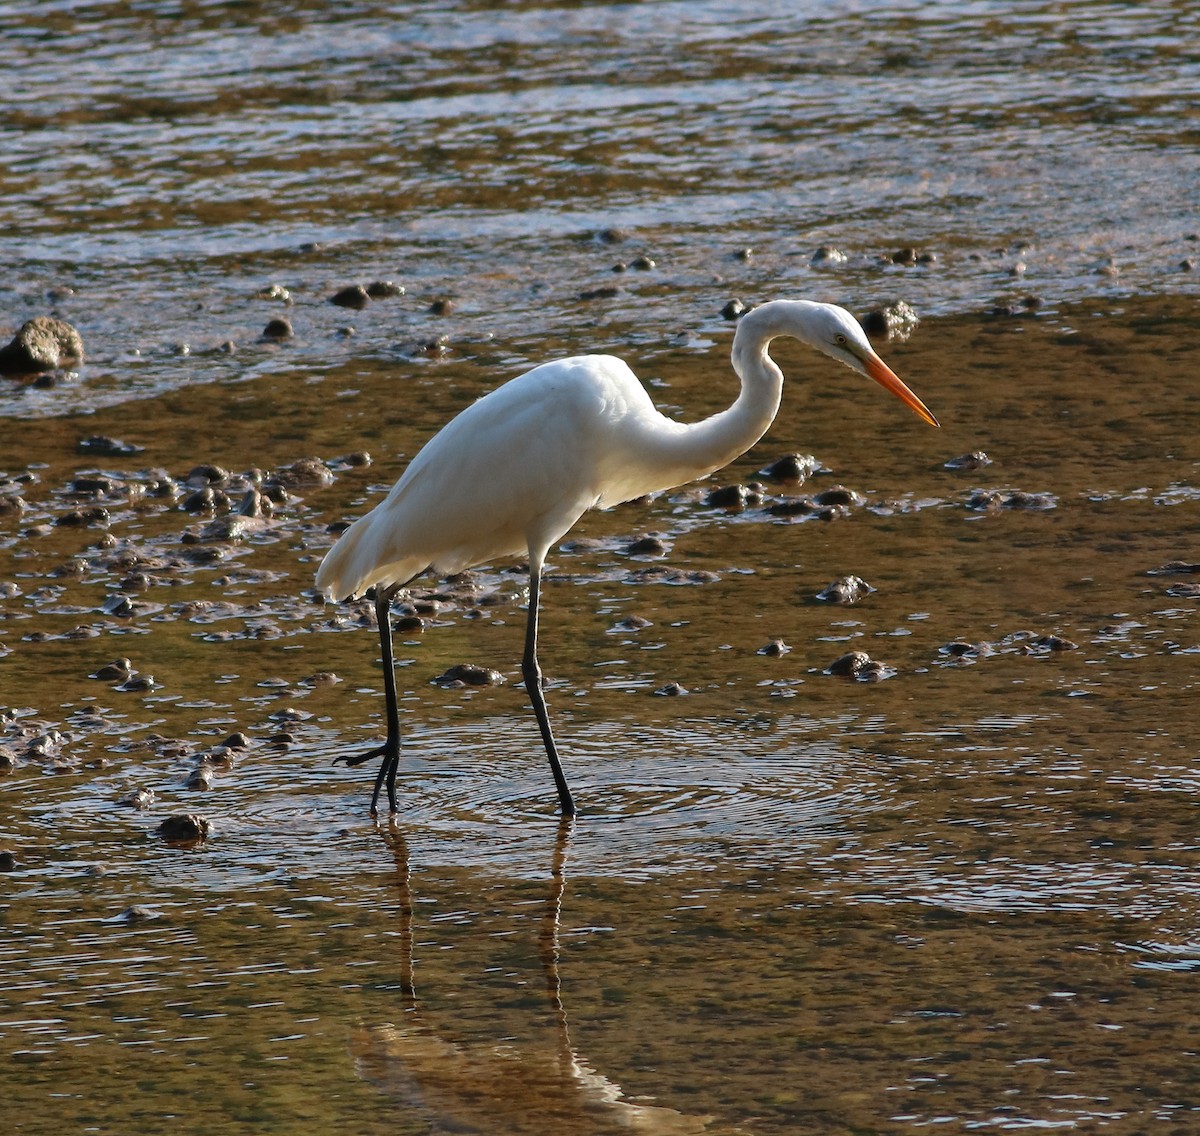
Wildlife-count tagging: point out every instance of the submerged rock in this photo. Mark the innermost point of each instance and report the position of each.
(184, 828)
(860, 666)
(976, 459)
(469, 674)
(845, 590)
(354, 296)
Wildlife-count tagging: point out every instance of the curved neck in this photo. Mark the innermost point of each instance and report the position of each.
(714, 442)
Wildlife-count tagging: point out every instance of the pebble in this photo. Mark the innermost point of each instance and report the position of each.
(793, 468)
(469, 674)
(845, 590)
(773, 648)
(646, 546)
(734, 496)
(278, 328)
(860, 666)
(976, 459)
(137, 799)
(632, 623)
(733, 309)
(894, 321)
(200, 778)
(8, 862)
(827, 256)
(671, 690)
(840, 496)
(99, 445)
(119, 670)
(384, 290)
(354, 296)
(184, 828)
(304, 472)
(605, 292)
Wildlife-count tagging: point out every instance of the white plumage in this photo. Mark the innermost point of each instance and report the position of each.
(514, 471)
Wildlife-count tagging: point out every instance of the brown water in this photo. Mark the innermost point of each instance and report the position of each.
(962, 897)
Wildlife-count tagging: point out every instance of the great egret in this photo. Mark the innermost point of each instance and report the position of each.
(515, 470)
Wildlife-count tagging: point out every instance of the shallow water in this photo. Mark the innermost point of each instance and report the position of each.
(961, 896)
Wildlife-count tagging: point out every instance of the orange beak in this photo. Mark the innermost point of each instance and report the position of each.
(887, 378)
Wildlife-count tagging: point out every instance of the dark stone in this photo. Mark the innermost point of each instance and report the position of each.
(278, 328)
(355, 296)
(384, 290)
(469, 674)
(100, 446)
(184, 828)
(733, 309)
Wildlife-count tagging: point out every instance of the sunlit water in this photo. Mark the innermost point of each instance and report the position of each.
(962, 897)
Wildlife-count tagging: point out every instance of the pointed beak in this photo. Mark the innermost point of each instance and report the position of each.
(878, 370)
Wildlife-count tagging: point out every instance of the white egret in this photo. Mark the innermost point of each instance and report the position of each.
(514, 471)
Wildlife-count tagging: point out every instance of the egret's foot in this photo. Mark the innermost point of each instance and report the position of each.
(390, 762)
(362, 758)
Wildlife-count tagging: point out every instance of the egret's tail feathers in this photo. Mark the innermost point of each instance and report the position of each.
(355, 563)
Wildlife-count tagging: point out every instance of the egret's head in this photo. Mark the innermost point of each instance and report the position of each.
(839, 335)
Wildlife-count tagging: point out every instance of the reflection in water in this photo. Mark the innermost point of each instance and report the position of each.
(470, 1087)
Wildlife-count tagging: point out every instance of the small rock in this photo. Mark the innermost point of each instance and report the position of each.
(976, 459)
(794, 468)
(138, 683)
(184, 828)
(894, 321)
(442, 306)
(642, 264)
(200, 778)
(671, 690)
(137, 913)
(845, 590)
(236, 741)
(119, 670)
(840, 496)
(605, 292)
(43, 344)
(8, 862)
(1052, 643)
(278, 328)
(905, 256)
(632, 623)
(773, 648)
(733, 309)
(384, 290)
(1174, 568)
(305, 472)
(137, 799)
(646, 546)
(355, 296)
(469, 674)
(734, 496)
(827, 257)
(100, 446)
(860, 666)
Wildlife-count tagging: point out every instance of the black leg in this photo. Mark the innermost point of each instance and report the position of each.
(389, 752)
(533, 684)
